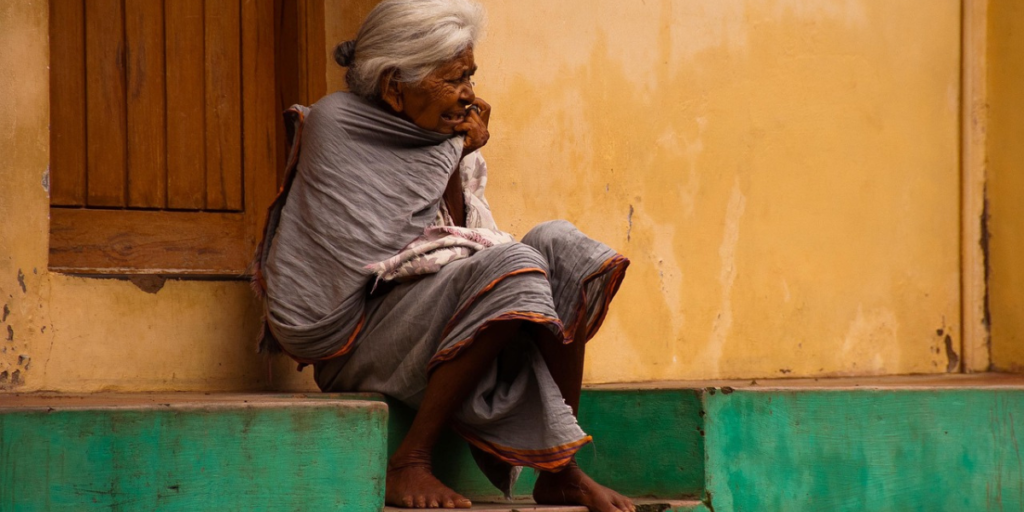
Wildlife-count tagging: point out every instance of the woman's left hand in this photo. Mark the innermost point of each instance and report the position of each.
(475, 126)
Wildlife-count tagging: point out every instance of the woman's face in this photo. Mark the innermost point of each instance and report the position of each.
(439, 102)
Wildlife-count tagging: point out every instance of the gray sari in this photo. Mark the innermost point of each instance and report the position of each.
(367, 184)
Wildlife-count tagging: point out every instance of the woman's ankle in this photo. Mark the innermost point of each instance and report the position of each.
(413, 458)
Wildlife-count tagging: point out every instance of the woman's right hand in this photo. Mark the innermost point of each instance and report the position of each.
(475, 126)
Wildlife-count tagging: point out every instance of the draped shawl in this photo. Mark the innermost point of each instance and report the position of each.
(361, 203)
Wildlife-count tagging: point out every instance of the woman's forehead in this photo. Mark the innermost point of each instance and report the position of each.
(460, 63)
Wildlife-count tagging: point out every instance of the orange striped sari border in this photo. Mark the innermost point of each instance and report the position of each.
(342, 351)
(490, 286)
(550, 459)
(617, 264)
(452, 351)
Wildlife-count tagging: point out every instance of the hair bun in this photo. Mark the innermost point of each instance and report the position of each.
(345, 53)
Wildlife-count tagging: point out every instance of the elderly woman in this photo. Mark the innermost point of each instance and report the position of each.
(382, 267)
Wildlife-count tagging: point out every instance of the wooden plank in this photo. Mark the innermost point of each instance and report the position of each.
(147, 142)
(67, 103)
(105, 103)
(314, 50)
(186, 139)
(141, 241)
(260, 115)
(195, 457)
(223, 105)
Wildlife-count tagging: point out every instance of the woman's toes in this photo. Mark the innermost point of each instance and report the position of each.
(407, 502)
(421, 502)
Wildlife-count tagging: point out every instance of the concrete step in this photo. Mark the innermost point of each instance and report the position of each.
(524, 505)
(892, 444)
(191, 452)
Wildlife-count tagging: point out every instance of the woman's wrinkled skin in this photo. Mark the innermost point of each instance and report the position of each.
(440, 103)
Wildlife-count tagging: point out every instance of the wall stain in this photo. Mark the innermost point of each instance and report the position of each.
(629, 219)
(10, 333)
(148, 283)
(21, 281)
(954, 360)
(7, 311)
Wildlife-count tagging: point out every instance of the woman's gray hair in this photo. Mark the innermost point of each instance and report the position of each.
(410, 37)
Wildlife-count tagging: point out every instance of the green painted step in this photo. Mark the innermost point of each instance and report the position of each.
(191, 453)
(647, 443)
(917, 444)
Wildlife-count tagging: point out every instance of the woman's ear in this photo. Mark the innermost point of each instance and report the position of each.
(391, 91)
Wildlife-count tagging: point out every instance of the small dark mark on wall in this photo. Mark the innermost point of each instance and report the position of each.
(3, 377)
(7, 311)
(148, 283)
(24, 361)
(785, 371)
(21, 281)
(629, 219)
(939, 332)
(10, 333)
(16, 377)
(727, 390)
(954, 360)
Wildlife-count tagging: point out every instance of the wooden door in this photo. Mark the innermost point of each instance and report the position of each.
(163, 134)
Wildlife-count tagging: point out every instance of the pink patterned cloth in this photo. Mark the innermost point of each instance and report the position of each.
(443, 242)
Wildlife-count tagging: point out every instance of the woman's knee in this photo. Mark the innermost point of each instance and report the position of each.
(551, 235)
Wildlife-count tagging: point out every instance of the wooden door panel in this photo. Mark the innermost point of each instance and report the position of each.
(223, 106)
(186, 141)
(67, 103)
(139, 242)
(106, 131)
(172, 105)
(146, 100)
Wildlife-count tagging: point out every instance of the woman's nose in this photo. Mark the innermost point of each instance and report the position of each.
(466, 93)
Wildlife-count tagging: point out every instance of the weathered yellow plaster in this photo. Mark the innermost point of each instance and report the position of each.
(783, 174)
(1006, 183)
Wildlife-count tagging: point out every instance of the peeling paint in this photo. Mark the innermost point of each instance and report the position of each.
(10, 333)
(953, 358)
(7, 311)
(21, 281)
(148, 283)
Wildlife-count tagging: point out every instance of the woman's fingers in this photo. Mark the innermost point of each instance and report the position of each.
(485, 110)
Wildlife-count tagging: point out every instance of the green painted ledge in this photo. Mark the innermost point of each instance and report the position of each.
(927, 450)
(286, 455)
(647, 443)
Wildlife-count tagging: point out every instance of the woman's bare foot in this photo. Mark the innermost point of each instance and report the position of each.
(416, 487)
(572, 486)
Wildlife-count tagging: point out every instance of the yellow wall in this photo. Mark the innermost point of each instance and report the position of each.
(783, 174)
(1006, 182)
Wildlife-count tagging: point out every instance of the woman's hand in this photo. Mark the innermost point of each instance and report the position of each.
(475, 126)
